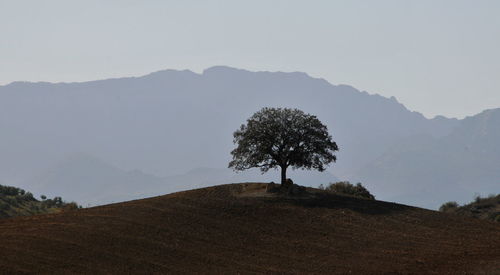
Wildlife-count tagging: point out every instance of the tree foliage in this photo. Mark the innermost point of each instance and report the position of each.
(282, 137)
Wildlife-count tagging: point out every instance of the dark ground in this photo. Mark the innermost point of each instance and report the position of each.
(241, 229)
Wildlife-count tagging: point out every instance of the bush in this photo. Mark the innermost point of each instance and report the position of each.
(449, 206)
(347, 188)
(4, 206)
(11, 191)
(57, 202)
(28, 196)
(11, 201)
(71, 206)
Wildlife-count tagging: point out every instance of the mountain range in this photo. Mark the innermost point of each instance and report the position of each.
(117, 139)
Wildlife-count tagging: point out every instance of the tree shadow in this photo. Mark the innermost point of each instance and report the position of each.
(333, 201)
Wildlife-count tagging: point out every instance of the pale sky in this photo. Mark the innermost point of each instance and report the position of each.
(436, 57)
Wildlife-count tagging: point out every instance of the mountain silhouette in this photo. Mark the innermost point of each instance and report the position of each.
(170, 122)
(429, 171)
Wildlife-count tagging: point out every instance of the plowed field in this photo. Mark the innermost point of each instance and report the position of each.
(241, 229)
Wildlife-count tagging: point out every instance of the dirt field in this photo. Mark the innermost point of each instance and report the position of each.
(233, 229)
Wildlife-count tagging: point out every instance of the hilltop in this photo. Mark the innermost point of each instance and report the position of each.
(487, 208)
(241, 228)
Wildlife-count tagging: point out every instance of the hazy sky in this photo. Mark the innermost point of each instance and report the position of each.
(436, 57)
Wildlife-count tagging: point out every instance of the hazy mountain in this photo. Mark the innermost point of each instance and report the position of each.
(170, 122)
(428, 171)
(91, 181)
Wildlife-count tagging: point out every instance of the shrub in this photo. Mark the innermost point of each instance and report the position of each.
(11, 201)
(448, 206)
(489, 198)
(55, 202)
(347, 188)
(58, 202)
(28, 196)
(34, 207)
(4, 206)
(477, 198)
(71, 206)
(11, 191)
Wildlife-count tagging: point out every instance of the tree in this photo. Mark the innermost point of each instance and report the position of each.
(282, 137)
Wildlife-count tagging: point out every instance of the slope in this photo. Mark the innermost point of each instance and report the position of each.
(241, 229)
(487, 208)
(90, 181)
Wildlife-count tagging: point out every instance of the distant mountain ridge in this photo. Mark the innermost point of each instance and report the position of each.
(170, 122)
(453, 167)
(92, 181)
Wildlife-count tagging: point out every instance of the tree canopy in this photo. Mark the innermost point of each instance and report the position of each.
(282, 137)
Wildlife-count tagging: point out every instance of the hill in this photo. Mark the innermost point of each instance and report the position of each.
(170, 122)
(91, 181)
(241, 229)
(17, 202)
(487, 208)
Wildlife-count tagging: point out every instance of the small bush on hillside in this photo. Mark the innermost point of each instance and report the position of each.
(490, 198)
(4, 206)
(71, 206)
(11, 201)
(57, 202)
(347, 188)
(28, 196)
(449, 206)
(486, 202)
(487, 208)
(11, 191)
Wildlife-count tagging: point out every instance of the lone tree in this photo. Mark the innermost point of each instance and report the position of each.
(282, 137)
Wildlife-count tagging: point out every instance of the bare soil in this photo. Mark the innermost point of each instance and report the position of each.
(241, 229)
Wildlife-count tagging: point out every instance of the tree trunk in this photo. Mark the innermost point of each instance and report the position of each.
(283, 175)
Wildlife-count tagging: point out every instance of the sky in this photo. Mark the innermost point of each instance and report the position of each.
(437, 57)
